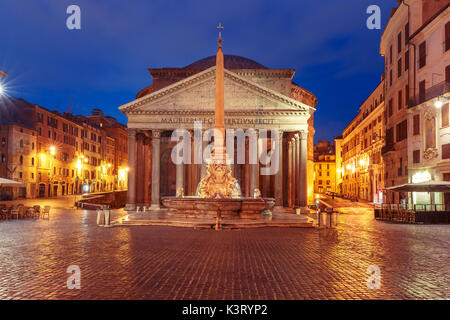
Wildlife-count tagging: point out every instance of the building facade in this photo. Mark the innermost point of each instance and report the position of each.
(255, 98)
(118, 132)
(428, 113)
(18, 159)
(408, 78)
(68, 155)
(325, 178)
(338, 164)
(361, 165)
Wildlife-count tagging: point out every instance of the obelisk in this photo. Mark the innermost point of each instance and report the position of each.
(218, 181)
(219, 112)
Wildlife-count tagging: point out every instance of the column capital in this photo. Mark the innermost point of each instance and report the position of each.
(303, 134)
(280, 134)
(156, 134)
(131, 132)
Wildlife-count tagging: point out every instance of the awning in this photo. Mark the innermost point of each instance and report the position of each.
(430, 186)
(11, 183)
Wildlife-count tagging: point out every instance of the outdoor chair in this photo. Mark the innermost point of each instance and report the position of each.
(3, 212)
(383, 212)
(389, 213)
(15, 212)
(401, 215)
(29, 212)
(45, 212)
(9, 213)
(36, 211)
(410, 216)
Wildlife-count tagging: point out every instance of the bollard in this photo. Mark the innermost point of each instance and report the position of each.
(99, 216)
(324, 221)
(334, 219)
(107, 217)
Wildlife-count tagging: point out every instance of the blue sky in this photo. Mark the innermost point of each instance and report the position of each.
(104, 64)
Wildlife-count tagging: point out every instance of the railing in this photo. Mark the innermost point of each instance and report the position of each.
(417, 213)
(387, 148)
(415, 207)
(430, 93)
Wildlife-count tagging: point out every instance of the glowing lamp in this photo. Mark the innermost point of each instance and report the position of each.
(422, 176)
(438, 104)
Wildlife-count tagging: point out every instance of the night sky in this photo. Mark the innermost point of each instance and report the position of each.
(104, 64)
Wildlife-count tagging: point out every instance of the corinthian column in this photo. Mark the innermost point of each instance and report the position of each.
(297, 171)
(279, 174)
(303, 171)
(290, 173)
(156, 137)
(131, 194)
(146, 164)
(254, 172)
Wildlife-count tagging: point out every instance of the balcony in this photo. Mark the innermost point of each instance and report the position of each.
(430, 93)
(387, 148)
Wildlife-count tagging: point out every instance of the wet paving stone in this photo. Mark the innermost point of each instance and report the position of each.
(181, 263)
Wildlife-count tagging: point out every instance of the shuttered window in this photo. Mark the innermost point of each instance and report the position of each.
(416, 125)
(422, 91)
(446, 151)
(444, 115)
(416, 156)
(422, 54)
(447, 36)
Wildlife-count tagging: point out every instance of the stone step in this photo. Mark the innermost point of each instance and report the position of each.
(225, 224)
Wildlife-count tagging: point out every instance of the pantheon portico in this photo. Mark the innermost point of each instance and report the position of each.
(256, 97)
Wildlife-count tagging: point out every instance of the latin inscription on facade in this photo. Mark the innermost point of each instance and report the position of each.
(228, 121)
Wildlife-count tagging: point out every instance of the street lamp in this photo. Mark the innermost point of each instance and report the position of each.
(440, 102)
(2, 86)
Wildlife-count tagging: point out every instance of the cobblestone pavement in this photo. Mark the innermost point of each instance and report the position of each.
(181, 263)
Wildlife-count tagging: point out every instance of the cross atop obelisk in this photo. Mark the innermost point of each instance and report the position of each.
(220, 27)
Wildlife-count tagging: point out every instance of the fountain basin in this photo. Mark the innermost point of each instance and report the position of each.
(244, 208)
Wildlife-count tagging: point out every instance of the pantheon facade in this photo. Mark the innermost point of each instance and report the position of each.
(256, 97)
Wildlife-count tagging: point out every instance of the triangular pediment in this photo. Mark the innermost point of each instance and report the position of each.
(198, 93)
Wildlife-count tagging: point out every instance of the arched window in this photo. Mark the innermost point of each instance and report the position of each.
(32, 146)
(3, 158)
(21, 143)
(3, 141)
(32, 161)
(21, 159)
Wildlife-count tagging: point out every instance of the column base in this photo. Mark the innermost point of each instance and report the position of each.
(155, 207)
(302, 210)
(130, 207)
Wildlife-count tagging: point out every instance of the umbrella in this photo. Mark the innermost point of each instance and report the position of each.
(11, 183)
(430, 186)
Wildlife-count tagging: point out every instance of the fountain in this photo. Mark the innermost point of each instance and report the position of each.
(218, 193)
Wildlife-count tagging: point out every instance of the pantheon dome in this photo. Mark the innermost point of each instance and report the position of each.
(231, 62)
